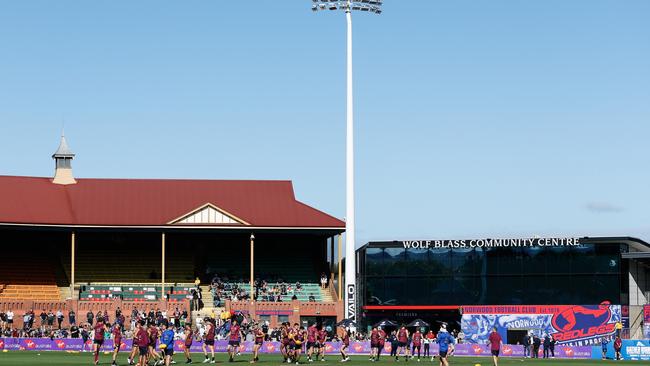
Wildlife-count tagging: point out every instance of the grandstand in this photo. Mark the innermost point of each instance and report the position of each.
(99, 244)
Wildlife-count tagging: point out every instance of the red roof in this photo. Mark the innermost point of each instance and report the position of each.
(153, 202)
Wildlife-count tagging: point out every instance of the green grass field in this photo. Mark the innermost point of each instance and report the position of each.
(23, 358)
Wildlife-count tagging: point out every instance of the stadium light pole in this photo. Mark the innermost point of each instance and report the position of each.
(348, 6)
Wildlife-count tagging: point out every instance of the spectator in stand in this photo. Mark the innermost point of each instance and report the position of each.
(90, 317)
(59, 318)
(323, 280)
(72, 317)
(3, 320)
(74, 331)
(10, 318)
(135, 316)
(43, 317)
(312, 298)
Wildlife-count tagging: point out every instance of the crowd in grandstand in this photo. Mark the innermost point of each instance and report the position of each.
(223, 288)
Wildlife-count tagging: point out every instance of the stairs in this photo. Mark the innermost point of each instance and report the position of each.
(326, 294)
(65, 293)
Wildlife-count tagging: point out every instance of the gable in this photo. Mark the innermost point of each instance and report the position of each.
(209, 214)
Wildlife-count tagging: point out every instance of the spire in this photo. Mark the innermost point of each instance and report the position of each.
(64, 149)
(63, 163)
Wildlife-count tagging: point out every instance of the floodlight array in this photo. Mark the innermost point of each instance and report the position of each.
(370, 6)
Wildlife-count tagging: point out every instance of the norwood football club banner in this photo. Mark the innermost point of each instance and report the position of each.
(332, 348)
(571, 325)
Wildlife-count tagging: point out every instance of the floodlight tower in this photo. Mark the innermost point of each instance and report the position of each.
(348, 6)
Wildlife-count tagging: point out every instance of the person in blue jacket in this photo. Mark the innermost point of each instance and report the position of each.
(603, 345)
(167, 343)
(445, 344)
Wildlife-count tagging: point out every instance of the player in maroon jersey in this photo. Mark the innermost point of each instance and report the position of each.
(322, 338)
(234, 339)
(297, 338)
(402, 343)
(153, 339)
(141, 340)
(134, 345)
(98, 339)
(284, 341)
(117, 341)
(209, 340)
(417, 343)
(259, 340)
(382, 341)
(374, 343)
(189, 335)
(312, 334)
(346, 344)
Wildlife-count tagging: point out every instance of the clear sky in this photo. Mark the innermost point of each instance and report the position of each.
(473, 118)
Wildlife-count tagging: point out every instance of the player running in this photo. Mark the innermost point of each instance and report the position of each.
(234, 339)
(153, 339)
(445, 343)
(117, 342)
(402, 343)
(312, 334)
(297, 337)
(495, 345)
(209, 340)
(417, 343)
(134, 345)
(284, 339)
(189, 335)
(374, 344)
(141, 340)
(382, 341)
(98, 339)
(322, 338)
(167, 343)
(258, 334)
(344, 347)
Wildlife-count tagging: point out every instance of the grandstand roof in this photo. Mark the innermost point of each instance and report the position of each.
(156, 202)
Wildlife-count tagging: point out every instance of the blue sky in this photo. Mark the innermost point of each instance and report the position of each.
(473, 118)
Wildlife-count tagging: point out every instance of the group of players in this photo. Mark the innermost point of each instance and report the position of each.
(144, 342)
(404, 339)
(293, 340)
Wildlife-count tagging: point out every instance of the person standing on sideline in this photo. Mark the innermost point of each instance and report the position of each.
(526, 343)
(90, 317)
(536, 343)
(603, 346)
(552, 346)
(618, 344)
(619, 328)
(428, 339)
(495, 345)
(445, 344)
(547, 345)
(393, 344)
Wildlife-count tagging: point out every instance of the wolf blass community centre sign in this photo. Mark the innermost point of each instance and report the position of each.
(492, 243)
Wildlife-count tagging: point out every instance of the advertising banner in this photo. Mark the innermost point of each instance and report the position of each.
(332, 348)
(570, 325)
(630, 350)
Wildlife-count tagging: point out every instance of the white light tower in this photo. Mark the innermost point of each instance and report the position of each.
(348, 6)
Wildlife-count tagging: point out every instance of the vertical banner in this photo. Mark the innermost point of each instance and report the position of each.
(646, 321)
(351, 302)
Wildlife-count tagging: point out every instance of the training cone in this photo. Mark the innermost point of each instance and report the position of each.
(478, 364)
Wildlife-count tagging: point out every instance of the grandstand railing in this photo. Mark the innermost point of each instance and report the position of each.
(294, 309)
(19, 307)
